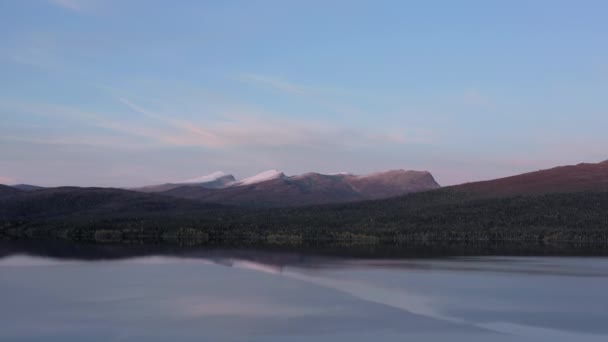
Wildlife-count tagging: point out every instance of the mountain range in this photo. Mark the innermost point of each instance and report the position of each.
(273, 188)
(568, 203)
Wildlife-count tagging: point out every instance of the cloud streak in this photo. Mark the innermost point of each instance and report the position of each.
(275, 83)
(100, 140)
(326, 97)
(233, 129)
(85, 117)
(204, 136)
(256, 130)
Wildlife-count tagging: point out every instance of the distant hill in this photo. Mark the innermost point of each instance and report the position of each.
(27, 187)
(562, 179)
(274, 189)
(8, 191)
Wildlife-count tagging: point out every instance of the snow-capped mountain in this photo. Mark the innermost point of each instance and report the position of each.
(205, 179)
(274, 188)
(261, 177)
(214, 180)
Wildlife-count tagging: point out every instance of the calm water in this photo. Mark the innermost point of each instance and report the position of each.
(81, 293)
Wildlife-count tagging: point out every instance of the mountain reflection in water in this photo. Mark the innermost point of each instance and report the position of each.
(70, 292)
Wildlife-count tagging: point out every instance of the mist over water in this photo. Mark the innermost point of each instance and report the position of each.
(157, 293)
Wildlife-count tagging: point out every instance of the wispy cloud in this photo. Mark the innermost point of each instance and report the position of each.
(31, 56)
(37, 48)
(234, 129)
(275, 83)
(85, 117)
(97, 140)
(245, 128)
(200, 133)
(324, 96)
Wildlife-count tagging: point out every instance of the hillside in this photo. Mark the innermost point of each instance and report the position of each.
(571, 178)
(27, 187)
(8, 191)
(92, 202)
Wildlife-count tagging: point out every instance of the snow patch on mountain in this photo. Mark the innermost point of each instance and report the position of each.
(205, 179)
(261, 177)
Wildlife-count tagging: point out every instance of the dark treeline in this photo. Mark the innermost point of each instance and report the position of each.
(122, 216)
(282, 255)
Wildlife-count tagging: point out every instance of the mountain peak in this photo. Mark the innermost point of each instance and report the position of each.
(205, 179)
(393, 183)
(342, 173)
(262, 177)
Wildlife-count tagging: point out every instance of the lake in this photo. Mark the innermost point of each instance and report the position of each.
(75, 292)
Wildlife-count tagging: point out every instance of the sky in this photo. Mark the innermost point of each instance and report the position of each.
(128, 92)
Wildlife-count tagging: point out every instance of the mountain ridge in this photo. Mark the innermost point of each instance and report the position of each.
(212, 177)
(273, 188)
(211, 181)
(27, 187)
(261, 177)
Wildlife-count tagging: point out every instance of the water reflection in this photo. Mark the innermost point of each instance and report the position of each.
(156, 293)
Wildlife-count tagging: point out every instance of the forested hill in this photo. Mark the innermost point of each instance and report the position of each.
(8, 191)
(442, 214)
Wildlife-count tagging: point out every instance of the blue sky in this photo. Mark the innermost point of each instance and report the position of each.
(121, 93)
